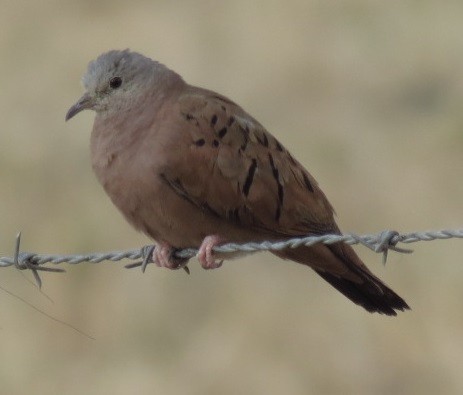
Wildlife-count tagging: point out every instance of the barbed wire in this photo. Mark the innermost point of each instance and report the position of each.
(380, 242)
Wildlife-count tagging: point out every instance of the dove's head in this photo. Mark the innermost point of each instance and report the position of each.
(115, 79)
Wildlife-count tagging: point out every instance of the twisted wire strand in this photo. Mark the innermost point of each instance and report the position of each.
(380, 242)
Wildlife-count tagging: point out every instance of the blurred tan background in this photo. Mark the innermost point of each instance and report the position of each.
(367, 94)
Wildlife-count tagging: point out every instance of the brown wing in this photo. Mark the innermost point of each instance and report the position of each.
(238, 171)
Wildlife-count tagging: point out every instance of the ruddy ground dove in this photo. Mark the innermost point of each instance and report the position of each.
(190, 168)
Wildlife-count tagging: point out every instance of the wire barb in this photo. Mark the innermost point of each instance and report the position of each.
(385, 241)
(22, 261)
(380, 243)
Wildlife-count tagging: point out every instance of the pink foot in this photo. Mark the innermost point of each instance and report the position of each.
(205, 253)
(162, 256)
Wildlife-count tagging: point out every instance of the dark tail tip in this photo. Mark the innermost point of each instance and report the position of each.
(371, 294)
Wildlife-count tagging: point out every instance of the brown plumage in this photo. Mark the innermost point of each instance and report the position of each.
(190, 168)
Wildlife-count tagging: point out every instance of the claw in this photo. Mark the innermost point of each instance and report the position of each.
(163, 256)
(205, 253)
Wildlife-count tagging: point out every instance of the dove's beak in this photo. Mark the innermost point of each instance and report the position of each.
(84, 103)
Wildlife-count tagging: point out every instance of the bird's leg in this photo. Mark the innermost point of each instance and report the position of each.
(163, 256)
(205, 253)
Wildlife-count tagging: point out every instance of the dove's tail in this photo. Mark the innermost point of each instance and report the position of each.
(342, 268)
(384, 300)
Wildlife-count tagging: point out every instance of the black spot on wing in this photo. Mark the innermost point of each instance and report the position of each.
(262, 140)
(249, 177)
(272, 165)
(213, 120)
(278, 146)
(265, 140)
(200, 142)
(276, 175)
(190, 118)
(231, 120)
(281, 192)
(245, 132)
(222, 132)
(215, 143)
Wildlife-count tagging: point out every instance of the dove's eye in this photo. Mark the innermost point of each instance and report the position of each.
(115, 82)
